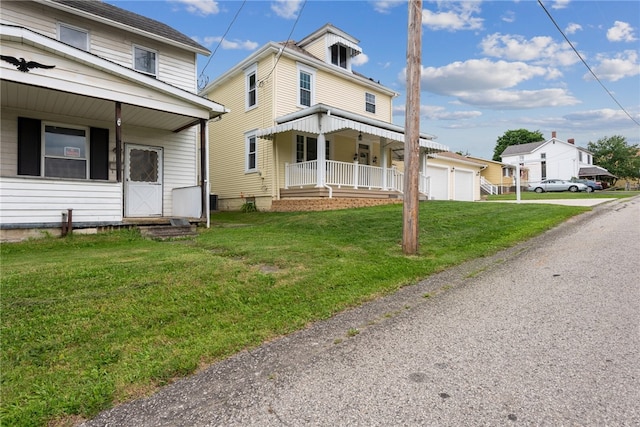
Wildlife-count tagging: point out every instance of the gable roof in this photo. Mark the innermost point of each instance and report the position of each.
(522, 148)
(100, 11)
(480, 159)
(458, 158)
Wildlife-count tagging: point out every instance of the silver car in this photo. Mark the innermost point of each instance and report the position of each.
(556, 185)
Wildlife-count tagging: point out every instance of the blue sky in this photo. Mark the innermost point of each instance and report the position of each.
(488, 66)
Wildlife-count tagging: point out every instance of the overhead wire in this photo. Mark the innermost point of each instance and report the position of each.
(201, 86)
(285, 43)
(587, 65)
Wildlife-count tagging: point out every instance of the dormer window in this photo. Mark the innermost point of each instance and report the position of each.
(339, 55)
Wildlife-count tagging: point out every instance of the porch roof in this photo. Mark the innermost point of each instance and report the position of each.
(323, 118)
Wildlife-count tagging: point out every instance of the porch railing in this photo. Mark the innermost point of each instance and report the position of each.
(353, 175)
(488, 186)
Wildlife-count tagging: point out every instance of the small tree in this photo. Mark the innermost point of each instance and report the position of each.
(617, 156)
(515, 137)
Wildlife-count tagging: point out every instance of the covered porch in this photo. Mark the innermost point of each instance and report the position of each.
(363, 157)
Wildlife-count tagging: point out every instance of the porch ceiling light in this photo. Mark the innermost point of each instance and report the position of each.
(360, 136)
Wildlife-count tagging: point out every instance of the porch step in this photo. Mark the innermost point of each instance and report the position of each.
(163, 232)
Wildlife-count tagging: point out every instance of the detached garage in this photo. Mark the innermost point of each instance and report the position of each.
(453, 177)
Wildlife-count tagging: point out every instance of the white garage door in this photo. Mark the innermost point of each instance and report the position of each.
(439, 183)
(463, 186)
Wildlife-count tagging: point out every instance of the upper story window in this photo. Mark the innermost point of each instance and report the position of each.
(580, 155)
(370, 102)
(251, 88)
(145, 60)
(306, 77)
(74, 36)
(339, 55)
(543, 156)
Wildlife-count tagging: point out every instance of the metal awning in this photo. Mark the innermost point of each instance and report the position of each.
(311, 124)
(336, 39)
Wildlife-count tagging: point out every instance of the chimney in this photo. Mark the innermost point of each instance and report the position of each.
(553, 134)
(571, 141)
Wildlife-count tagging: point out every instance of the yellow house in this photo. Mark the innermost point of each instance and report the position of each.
(497, 177)
(305, 129)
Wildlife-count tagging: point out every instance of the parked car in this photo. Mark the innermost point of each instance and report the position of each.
(591, 185)
(556, 185)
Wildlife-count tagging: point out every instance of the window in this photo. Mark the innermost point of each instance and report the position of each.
(307, 149)
(251, 150)
(73, 36)
(370, 102)
(339, 55)
(62, 151)
(305, 86)
(543, 156)
(580, 156)
(543, 169)
(251, 87)
(65, 152)
(145, 60)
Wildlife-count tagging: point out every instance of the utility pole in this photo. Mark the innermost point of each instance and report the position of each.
(412, 131)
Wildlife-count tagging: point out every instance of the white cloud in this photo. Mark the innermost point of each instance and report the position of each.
(509, 17)
(621, 32)
(605, 118)
(478, 75)
(229, 44)
(457, 16)
(434, 112)
(624, 64)
(515, 100)
(385, 6)
(360, 59)
(200, 7)
(573, 28)
(540, 49)
(287, 9)
(560, 4)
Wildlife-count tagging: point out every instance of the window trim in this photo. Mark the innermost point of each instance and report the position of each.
(301, 68)
(43, 149)
(155, 64)
(248, 153)
(251, 71)
(75, 28)
(367, 102)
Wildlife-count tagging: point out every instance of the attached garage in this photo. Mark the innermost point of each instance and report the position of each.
(453, 176)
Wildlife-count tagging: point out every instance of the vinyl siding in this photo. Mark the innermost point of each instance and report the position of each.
(175, 66)
(227, 140)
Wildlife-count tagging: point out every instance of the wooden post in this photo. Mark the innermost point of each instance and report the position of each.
(204, 172)
(118, 141)
(412, 131)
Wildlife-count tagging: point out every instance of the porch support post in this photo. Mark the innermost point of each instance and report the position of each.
(383, 162)
(204, 170)
(118, 120)
(321, 161)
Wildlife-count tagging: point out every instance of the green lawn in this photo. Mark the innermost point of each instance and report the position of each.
(91, 321)
(531, 195)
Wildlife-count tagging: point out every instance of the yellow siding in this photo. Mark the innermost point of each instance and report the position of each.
(227, 141)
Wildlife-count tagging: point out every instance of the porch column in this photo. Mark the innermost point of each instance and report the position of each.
(321, 161)
(383, 162)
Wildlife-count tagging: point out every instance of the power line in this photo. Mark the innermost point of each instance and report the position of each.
(285, 43)
(201, 86)
(587, 65)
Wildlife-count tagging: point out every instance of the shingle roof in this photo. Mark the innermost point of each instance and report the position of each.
(130, 19)
(521, 148)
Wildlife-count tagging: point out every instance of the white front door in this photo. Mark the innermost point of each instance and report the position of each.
(143, 181)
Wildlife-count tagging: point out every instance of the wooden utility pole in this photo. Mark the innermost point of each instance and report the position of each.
(412, 131)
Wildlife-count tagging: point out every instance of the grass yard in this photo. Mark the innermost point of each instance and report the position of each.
(88, 322)
(531, 195)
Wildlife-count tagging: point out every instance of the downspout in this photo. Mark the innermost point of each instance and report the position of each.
(204, 172)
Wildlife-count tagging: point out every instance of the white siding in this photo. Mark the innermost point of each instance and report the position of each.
(42, 201)
(176, 66)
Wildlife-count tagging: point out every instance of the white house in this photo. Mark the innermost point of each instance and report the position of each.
(551, 159)
(100, 118)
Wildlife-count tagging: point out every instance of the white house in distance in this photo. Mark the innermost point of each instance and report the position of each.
(101, 121)
(551, 159)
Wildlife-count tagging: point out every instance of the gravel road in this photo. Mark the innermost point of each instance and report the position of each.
(544, 334)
